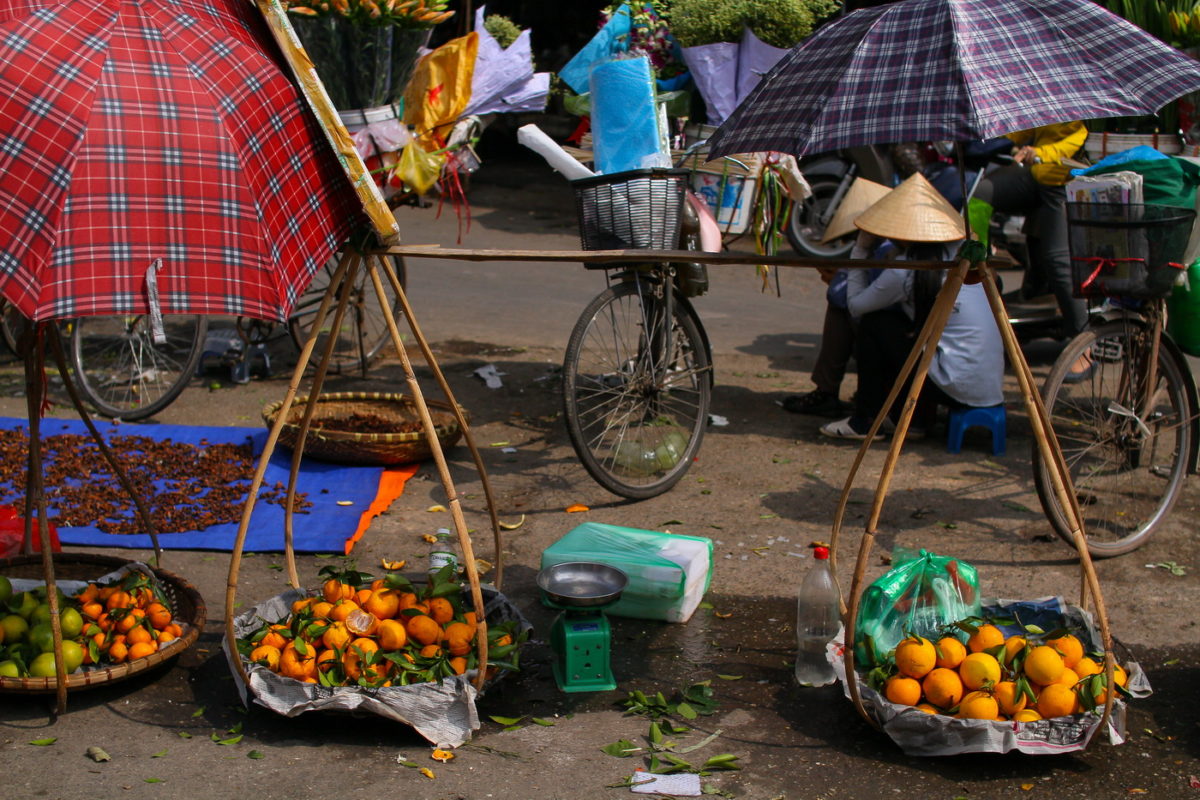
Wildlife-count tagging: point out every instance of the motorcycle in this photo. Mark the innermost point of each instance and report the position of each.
(829, 175)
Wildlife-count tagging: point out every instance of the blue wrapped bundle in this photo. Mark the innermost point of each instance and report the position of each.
(625, 126)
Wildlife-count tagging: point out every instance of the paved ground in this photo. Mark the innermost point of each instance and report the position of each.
(763, 487)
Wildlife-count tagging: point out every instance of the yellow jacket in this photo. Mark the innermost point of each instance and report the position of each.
(1052, 143)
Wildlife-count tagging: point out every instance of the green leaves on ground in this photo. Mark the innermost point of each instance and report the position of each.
(690, 703)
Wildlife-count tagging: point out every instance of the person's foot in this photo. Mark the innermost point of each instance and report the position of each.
(849, 428)
(817, 402)
(1081, 370)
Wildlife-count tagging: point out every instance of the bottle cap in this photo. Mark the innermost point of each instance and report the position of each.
(820, 552)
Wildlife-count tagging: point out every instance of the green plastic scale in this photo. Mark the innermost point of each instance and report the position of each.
(580, 636)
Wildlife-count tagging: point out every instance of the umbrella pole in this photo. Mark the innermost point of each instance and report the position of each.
(35, 499)
(235, 559)
(468, 436)
(921, 355)
(452, 499)
(352, 260)
(60, 360)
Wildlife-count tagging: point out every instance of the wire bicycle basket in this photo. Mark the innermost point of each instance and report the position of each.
(637, 209)
(1120, 250)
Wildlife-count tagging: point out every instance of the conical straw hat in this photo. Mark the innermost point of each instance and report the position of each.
(913, 212)
(861, 196)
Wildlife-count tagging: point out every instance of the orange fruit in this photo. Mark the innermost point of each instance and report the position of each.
(979, 670)
(343, 609)
(950, 652)
(361, 623)
(391, 634)
(353, 658)
(275, 636)
(295, 664)
(133, 617)
(902, 690)
(928, 709)
(423, 630)
(1086, 666)
(441, 610)
(1043, 665)
(118, 599)
(88, 593)
(471, 618)
(267, 655)
(139, 635)
(1068, 677)
(165, 637)
(984, 638)
(978, 705)
(1057, 700)
(118, 652)
(142, 649)
(943, 687)
(336, 636)
(430, 651)
(1069, 647)
(91, 609)
(174, 629)
(158, 615)
(460, 632)
(333, 590)
(407, 600)
(302, 604)
(1122, 679)
(1012, 646)
(362, 596)
(1008, 698)
(327, 660)
(1026, 715)
(321, 609)
(383, 603)
(915, 657)
(142, 596)
(458, 664)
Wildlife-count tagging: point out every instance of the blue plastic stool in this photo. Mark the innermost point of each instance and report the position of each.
(991, 417)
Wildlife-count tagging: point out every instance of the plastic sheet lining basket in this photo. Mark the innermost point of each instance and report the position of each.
(186, 604)
(348, 447)
(1127, 250)
(641, 208)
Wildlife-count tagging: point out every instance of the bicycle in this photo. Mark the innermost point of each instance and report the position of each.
(1129, 430)
(125, 374)
(637, 373)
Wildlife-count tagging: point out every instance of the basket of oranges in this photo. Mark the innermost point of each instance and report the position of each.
(1024, 675)
(117, 619)
(385, 645)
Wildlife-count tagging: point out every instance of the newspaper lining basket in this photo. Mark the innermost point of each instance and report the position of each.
(186, 604)
(1120, 250)
(381, 449)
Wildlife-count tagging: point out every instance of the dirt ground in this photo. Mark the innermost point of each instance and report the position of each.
(763, 487)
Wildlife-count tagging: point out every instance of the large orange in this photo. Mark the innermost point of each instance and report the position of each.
(978, 705)
(1043, 665)
(333, 590)
(354, 657)
(950, 652)
(336, 636)
(985, 637)
(1010, 700)
(383, 603)
(391, 634)
(267, 655)
(978, 670)
(1057, 700)
(943, 687)
(458, 637)
(298, 665)
(142, 649)
(441, 610)
(902, 690)
(423, 629)
(915, 657)
(1069, 647)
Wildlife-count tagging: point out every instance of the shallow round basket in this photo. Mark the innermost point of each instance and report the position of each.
(186, 604)
(380, 449)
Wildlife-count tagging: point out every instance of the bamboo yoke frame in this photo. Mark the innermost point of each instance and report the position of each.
(916, 365)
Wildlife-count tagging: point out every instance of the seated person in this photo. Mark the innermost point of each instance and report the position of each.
(968, 370)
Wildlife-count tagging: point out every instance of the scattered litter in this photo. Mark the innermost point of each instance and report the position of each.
(683, 784)
(490, 376)
(575, 508)
(797, 555)
(508, 450)
(434, 509)
(1170, 566)
(717, 421)
(512, 526)
(98, 754)
(345, 502)
(441, 755)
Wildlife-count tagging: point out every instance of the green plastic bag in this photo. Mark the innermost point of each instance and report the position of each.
(920, 594)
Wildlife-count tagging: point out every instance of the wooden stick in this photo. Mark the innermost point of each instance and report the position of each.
(468, 436)
(439, 458)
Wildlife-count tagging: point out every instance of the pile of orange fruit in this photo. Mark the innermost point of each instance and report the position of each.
(991, 676)
(379, 633)
(125, 620)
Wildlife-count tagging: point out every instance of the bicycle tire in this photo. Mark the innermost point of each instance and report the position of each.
(635, 418)
(1127, 476)
(12, 323)
(364, 332)
(123, 373)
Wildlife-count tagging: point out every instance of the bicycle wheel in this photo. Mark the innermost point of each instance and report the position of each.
(364, 332)
(636, 409)
(12, 323)
(1127, 469)
(123, 373)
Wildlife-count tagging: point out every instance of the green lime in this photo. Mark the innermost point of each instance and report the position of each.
(40, 615)
(5, 589)
(42, 637)
(72, 655)
(72, 622)
(26, 603)
(9, 669)
(42, 666)
(15, 628)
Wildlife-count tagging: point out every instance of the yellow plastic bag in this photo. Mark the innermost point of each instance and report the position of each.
(440, 89)
(419, 169)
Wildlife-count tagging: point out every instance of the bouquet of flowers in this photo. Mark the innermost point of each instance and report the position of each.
(365, 50)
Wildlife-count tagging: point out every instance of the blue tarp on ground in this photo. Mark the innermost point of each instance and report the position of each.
(326, 527)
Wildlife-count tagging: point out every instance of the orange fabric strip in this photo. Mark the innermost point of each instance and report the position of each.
(391, 486)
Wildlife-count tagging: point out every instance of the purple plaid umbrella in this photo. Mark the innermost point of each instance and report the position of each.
(955, 70)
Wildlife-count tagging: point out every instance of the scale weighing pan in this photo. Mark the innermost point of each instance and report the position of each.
(582, 584)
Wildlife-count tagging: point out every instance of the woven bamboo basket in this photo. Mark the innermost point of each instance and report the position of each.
(383, 449)
(186, 603)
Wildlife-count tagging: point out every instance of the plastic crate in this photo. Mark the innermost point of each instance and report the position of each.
(1122, 250)
(637, 209)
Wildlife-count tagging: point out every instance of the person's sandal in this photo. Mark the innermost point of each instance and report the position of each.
(816, 402)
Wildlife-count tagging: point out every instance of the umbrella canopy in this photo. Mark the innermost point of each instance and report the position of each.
(955, 70)
(158, 150)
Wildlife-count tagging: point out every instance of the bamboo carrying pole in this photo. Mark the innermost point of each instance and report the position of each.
(341, 281)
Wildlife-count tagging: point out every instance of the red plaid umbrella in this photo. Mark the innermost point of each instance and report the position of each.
(158, 150)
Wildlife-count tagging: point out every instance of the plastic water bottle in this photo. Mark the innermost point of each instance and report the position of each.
(817, 617)
(441, 551)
